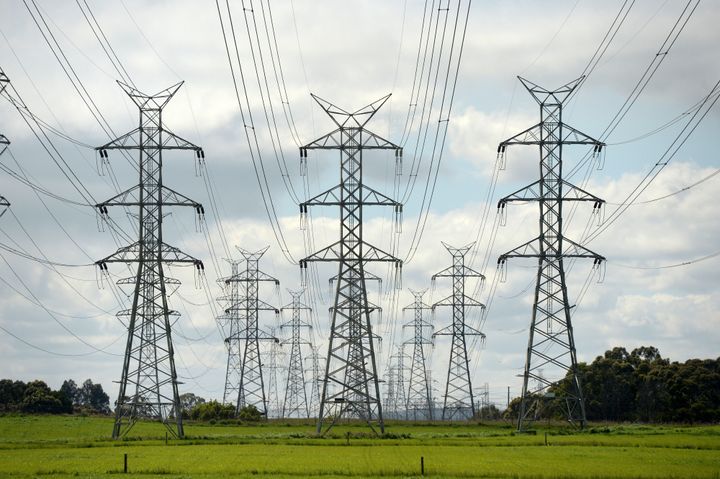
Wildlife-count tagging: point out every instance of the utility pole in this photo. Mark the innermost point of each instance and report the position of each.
(551, 343)
(4, 142)
(296, 401)
(458, 399)
(251, 388)
(419, 397)
(149, 385)
(350, 385)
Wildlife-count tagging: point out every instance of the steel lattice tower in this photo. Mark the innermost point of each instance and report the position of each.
(272, 366)
(458, 399)
(251, 387)
(350, 385)
(149, 386)
(551, 343)
(396, 397)
(234, 321)
(419, 397)
(296, 401)
(4, 142)
(315, 359)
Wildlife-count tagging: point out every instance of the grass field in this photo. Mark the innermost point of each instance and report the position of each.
(51, 446)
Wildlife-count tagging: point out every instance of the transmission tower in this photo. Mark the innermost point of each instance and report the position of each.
(296, 401)
(458, 399)
(315, 359)
(251, 388)
(396, 398)
(419, 397)
(273, 365)
(234, 321)
(551, 343)
(4, 142)
(350, 386)
(149, 386)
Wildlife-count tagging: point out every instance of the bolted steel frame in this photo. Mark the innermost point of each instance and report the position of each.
(149, 383)
(458, 401)
(350, 385)
(551, 344)
(246, 341)
(419, 403)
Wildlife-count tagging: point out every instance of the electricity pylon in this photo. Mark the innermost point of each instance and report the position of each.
(296, 401)
(458, 400)
(4, 143)
(251, 387)
(350, 385)
(234, 322)
(419, 397)
(396, 399)
(149, 385)
(551, 343)
(315, 359)
(273, 365)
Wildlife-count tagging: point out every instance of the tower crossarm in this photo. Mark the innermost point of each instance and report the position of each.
(332, 197)
(455, 271)
(451, 330)
(361, 138)
(246, 303)
(133, 254)
(536, 192)
(533, 249)
(133, 141)
(244, 276)
(536, 135)
(131, 197)
(452, 301)
(333, 253)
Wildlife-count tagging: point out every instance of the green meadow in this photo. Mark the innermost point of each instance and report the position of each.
(70, 446)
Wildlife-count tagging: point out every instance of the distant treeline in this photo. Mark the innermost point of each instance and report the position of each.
(37, 397)
(643, 386)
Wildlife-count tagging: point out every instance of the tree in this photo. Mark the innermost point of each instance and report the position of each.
(71, 391)
(93, 397)
(188, 401)
(11, 394)
(212, 410)
(39, 398)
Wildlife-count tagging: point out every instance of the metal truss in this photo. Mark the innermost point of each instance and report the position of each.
(246, 341)
(396, 399)
(350, 386)
(233, 321)
(316, 380)
(458, 401)
(296, 400)
(149, 385)
(551, 345)
(274, 364)
(419, 403)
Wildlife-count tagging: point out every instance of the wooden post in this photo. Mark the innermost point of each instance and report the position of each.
(422, 465)
(125, 463)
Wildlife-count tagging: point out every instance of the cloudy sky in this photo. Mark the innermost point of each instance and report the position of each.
(643, 96)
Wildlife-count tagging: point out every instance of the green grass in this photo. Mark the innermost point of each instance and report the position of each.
(35, 446)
